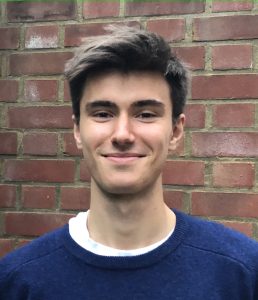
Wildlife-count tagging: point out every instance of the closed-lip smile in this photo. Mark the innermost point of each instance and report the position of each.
(123, 157)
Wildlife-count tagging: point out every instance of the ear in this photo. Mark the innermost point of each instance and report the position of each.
(177, 133)
(76, 133)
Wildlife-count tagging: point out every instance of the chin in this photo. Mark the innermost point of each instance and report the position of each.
(122, 189)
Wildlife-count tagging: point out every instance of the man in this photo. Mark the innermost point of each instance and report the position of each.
(128, 93)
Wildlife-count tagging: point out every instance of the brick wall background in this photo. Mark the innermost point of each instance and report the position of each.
(43, 179)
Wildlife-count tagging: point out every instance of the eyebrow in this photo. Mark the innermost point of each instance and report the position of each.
(100, 103)
(109, 104)
(148, 102)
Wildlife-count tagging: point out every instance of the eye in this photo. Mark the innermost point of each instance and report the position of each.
(102, 116)
(146, 116)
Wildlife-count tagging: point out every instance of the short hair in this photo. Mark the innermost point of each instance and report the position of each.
(126, 49)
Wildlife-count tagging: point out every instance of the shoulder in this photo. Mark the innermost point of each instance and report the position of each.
(216, 239)
(35, 250)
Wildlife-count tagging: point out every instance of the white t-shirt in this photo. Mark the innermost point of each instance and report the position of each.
(80, 234)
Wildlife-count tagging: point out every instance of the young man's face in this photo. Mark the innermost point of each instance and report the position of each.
(125, 130)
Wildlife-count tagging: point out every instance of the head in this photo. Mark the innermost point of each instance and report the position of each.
(126, 50)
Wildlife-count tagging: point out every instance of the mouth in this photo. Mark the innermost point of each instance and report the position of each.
(123, 157)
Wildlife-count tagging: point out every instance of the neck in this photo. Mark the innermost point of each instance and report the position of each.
(129, 221)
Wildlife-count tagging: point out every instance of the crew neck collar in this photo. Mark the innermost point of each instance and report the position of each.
(131, 262)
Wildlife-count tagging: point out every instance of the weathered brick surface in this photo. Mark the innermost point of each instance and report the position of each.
(9, 38)
(75, 198)
(195, 115)
(33, 224)
(233, 175)
(76, 34)
(99, 9)
(233, 115)
(225, 28)
(40, 117)
(238, 144)
(41, 90)
(231, 57)
(37, 37)
(8, 143)
(7, 195)
(8, 90)
(184, 173)
(174, 199)
(40, 143)
(225, 204)
(193, 57)
(38, 63)
(38, 196)
(39, 170)
(139, 8)
(40, 11)
(218, 6)
(170, 29)
(225, 86)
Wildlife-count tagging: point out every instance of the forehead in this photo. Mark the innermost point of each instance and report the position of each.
(126, 88)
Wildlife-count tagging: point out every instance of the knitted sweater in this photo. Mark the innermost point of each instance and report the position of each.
(201, 260)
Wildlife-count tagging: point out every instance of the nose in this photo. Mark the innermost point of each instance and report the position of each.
(123, 131)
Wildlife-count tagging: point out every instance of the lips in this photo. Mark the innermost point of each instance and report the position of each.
(123, 157)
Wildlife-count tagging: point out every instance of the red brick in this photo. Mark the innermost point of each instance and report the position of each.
(238, 144)
(231, 57)
(9, 38)
(70, 146)
(139, 8)
(225, 86)
(84, 172)
(174, 199)
(225, 204)
(40, 143)
(7, 195)
(40, 117)
(225, 28)
(193, 57)
(39, 170)
(67, 96)
(170, 29)
(9, 90)
(43, 11)
(41, 90)
(37, 37)
(75, 198)
(38, 63)
(38, 197)
(184, 173)
(8, 143)
(6, 246)
(75, 34)
(195, 115)
(238, 175)
(245, 228)
(98, 9)
(233, 115)
(218, 5)
(33, 224)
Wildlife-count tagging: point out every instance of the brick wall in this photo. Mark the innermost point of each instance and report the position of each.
(44, 181)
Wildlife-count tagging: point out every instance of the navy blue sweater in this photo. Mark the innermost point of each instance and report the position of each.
(201, 260)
